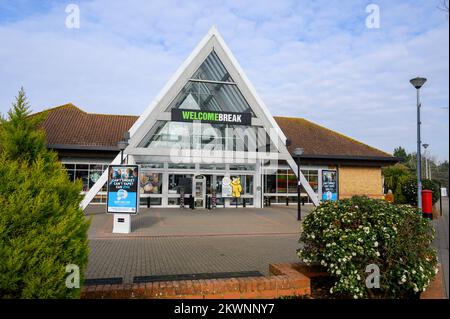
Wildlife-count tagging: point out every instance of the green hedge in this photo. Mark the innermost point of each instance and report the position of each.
(409, 190)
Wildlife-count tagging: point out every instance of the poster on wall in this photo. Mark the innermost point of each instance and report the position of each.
(227, 190)
(329, 185)
(123, 195)
(150, 183)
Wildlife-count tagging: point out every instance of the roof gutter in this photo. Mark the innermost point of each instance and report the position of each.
(83, 147)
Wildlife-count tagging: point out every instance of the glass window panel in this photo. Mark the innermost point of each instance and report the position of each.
(180, 181)
(69, 166)
(182, 165)
(82, 166)
(95, 167)
(270, 184)
(152, 165)
(242, 167)
(94, 175)
(71, 174)
(83, 175)
(281, 181)
(292, 183)
(212, 69)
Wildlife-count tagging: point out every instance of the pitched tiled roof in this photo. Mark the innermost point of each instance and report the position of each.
(319, 141)
(68, 126)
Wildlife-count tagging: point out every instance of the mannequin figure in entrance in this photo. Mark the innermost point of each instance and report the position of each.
(236, 187)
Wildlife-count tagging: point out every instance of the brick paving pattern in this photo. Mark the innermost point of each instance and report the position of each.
(174, 241)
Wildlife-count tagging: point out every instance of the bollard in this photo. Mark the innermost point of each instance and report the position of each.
(148, 202)
(191, 202)
(287, 201)
(243, 202)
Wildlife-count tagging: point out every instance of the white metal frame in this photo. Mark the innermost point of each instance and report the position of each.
(156, 110)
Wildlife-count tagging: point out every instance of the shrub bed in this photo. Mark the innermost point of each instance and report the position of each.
(348, 235)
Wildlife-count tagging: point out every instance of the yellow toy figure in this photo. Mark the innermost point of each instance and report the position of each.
(236, 187)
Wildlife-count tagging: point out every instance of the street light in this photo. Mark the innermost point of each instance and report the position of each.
(417, 83)
(425, 146)
(123, 145)
(297, 153)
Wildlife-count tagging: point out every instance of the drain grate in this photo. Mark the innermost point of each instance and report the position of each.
(214, 275)
(103, 281)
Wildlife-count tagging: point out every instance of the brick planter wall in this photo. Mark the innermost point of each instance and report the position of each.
(286, 282)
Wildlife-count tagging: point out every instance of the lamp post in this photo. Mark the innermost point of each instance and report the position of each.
(297, 153)
(122, 145)
(417, 83)
(425, 146)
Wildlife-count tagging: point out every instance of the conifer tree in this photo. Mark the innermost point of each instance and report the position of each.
(42, 228)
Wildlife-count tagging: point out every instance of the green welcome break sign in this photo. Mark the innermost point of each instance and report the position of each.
(184, 115)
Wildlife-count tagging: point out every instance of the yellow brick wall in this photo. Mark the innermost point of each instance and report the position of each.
(355, 180)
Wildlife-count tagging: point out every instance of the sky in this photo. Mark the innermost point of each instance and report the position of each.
(327, 61)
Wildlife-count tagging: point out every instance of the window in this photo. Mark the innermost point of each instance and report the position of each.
(246, 183)
(152, 165)
(181, 166)
(178, 182)
(270, 184)
(89, 175)
(242, 167)
(150, 182)
(281, 181)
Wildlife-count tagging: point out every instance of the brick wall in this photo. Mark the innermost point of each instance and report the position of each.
(285, 282)
(355, 180)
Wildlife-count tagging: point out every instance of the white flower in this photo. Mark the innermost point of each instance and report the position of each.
(338, 272)
(378, 254)
(375, 244)
(436, 270)
(358, 277)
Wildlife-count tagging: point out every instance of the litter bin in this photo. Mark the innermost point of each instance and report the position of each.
(427, 204)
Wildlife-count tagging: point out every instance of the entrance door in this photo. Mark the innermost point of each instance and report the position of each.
(199, 191)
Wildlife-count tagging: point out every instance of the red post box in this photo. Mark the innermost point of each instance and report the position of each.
(427, 204)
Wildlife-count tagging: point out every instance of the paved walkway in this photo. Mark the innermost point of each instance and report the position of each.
(442, 240)
(175, 241)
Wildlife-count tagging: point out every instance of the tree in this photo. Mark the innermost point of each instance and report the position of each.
(401, 154)
(394, 177)
(42, 228)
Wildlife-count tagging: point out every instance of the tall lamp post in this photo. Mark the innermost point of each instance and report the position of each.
(417, 83)
(425, 146)
(297, 153)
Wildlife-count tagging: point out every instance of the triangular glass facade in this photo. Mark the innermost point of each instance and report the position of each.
(211, 88)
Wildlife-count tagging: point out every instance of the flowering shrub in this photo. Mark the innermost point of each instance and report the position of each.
(348, 235)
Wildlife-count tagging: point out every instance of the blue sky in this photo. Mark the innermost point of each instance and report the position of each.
(312, 59)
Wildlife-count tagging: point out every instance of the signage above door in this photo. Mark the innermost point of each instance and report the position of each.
(185, 115)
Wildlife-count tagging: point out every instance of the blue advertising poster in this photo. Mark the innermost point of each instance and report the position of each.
(123, 183)
(329, 185)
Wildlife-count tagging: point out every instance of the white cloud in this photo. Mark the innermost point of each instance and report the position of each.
(310, 59)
